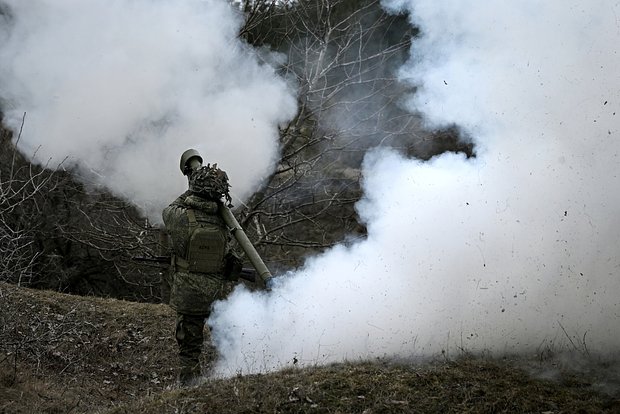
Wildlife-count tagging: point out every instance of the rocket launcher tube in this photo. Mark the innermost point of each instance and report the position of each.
(192, 159)
(245, 243)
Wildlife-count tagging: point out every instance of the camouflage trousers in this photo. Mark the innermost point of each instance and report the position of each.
(190, 337)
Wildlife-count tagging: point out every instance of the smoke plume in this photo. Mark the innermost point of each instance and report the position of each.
(513, 251)
(123, 87)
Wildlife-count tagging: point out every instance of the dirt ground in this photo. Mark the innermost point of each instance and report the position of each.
(71, 354)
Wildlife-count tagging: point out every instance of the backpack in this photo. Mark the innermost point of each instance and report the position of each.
(207, 243)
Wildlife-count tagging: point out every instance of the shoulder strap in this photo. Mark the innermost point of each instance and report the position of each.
(191, 215)
(193, 223)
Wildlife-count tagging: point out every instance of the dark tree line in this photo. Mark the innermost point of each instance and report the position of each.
(56, 234)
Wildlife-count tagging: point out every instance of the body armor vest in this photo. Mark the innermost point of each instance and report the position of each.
(207, 243)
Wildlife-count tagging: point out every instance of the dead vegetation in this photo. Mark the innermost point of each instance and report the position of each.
(70, 354)
(463, 386)
(61, 353)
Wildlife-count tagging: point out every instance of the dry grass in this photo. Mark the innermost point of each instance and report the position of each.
(61, 353)
(464, 386)
(69, 354)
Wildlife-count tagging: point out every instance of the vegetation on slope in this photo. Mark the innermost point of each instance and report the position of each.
(463, 386)
(61, 353)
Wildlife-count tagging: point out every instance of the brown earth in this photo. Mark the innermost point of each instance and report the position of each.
(71, 354)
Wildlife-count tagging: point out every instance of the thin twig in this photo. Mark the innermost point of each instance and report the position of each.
(568, 336)
(21, 128)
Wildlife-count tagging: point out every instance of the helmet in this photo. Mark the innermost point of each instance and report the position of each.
(188, 160)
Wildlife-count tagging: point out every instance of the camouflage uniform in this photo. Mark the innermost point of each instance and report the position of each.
(192, 294)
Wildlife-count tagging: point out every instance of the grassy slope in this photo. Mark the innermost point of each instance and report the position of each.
(61, 353)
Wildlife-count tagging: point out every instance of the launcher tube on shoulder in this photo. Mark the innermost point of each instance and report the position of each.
(245, 243)
(191, 160)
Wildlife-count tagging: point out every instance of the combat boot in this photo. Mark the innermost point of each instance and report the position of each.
(189, 375)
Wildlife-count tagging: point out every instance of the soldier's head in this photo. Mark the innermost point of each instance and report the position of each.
(190, 160)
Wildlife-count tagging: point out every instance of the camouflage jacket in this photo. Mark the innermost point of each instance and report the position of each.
(191, 293)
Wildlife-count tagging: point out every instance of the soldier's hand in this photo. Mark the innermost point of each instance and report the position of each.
(198, 203)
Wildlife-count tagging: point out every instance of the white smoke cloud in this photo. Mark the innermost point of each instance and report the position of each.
(512, 251)
(124, 87)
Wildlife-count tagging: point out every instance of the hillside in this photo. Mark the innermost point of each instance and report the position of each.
(62, 353)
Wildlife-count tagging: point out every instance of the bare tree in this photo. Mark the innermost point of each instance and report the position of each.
(342, 55)
(55, 234)
(18, 187)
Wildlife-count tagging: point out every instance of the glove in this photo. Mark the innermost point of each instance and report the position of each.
(209, 207)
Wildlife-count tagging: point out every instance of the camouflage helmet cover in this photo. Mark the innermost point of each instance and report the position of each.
(209, 182)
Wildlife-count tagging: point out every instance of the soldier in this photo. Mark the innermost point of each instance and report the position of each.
(202, 260)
